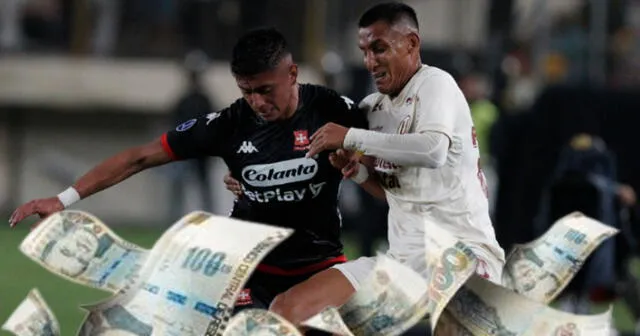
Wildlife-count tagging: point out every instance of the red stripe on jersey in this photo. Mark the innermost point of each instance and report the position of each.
(302, 270)
(167, 148)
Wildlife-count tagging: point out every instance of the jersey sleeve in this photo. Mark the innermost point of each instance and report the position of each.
(438, 101)
(349, 114)
(199, 137)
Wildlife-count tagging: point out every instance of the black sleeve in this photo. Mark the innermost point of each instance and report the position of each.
(198, 137)
(347, 113)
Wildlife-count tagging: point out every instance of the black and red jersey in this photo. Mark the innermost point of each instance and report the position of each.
(281, 186)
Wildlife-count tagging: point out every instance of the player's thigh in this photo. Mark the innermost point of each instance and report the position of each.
(357, 271)
(306, 299)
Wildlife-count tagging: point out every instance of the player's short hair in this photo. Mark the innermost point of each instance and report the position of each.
(258, 51)
(389, 12)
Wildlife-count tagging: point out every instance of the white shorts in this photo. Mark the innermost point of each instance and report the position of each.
(357, 271)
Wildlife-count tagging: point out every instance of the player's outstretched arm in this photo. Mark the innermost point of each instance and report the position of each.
(108, 173)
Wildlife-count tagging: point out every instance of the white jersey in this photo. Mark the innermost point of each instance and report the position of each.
(453, 196)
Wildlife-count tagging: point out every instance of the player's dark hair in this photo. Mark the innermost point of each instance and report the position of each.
(258, 51)
(389, 12)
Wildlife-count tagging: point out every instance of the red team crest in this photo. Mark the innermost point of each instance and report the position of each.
(300, 140)
(244, 297)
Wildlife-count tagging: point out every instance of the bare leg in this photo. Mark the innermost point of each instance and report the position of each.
(306, 299)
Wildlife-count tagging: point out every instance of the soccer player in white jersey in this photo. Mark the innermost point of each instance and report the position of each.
(426, 162)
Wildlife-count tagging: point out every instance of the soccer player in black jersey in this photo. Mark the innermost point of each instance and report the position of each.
(263, 138)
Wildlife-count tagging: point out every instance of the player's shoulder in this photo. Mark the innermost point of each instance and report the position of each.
(318, 94)
(430, 77)
(321, 99)
(369, 102)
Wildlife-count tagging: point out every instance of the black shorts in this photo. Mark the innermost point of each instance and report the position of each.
(262, 288)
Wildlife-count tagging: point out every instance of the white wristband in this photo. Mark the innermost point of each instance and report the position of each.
(69, 196)
(362, 175)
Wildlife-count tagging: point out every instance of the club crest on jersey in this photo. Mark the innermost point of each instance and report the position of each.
(300, 140)
(244, 298)
(186, 125)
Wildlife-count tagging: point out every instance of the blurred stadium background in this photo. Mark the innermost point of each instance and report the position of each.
(83, 79)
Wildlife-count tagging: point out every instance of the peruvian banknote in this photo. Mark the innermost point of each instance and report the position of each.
(484, 309)
(33, 317)
(396, 297)
(541, 269)
(384, 304)
(79, 247)
(260, 322)
(329, 320)
(190, 280)
(449, 326)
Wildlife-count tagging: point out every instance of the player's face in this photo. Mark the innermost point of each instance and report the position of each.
(388, 55)
(270, 94)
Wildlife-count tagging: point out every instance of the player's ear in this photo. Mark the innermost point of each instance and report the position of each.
(293, 74)
(414, 42)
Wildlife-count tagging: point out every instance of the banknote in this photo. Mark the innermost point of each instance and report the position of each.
(450, 263)
(542, 268)
(449, 326)
(329, 320)
(485, 308)
(33, 317)
(260, 322)
(79, 247)
(396, 296)
(189, 283)
(385, 301)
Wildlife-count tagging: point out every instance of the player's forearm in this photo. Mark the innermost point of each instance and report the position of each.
(373, 187)
(120, 167)
(427, 149)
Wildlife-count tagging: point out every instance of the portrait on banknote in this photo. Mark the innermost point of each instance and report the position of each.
(77, 244)
(527, 273)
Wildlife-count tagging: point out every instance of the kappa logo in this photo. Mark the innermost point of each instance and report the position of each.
(247, 148)
(348, 101)
(212, 116)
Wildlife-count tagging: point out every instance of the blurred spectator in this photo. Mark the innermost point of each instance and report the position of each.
(585, 180)
(569, 40)
(10, 19)
(625, 53)
(484, 113)
(107, 24)
(193, 104)
(23, 20)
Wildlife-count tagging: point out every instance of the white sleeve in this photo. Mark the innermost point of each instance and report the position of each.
(438, 99)
(428, 149)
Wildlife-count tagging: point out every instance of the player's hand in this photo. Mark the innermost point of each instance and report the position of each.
(233, 185)
(345, 160)
(42, 207)
(329, 136)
